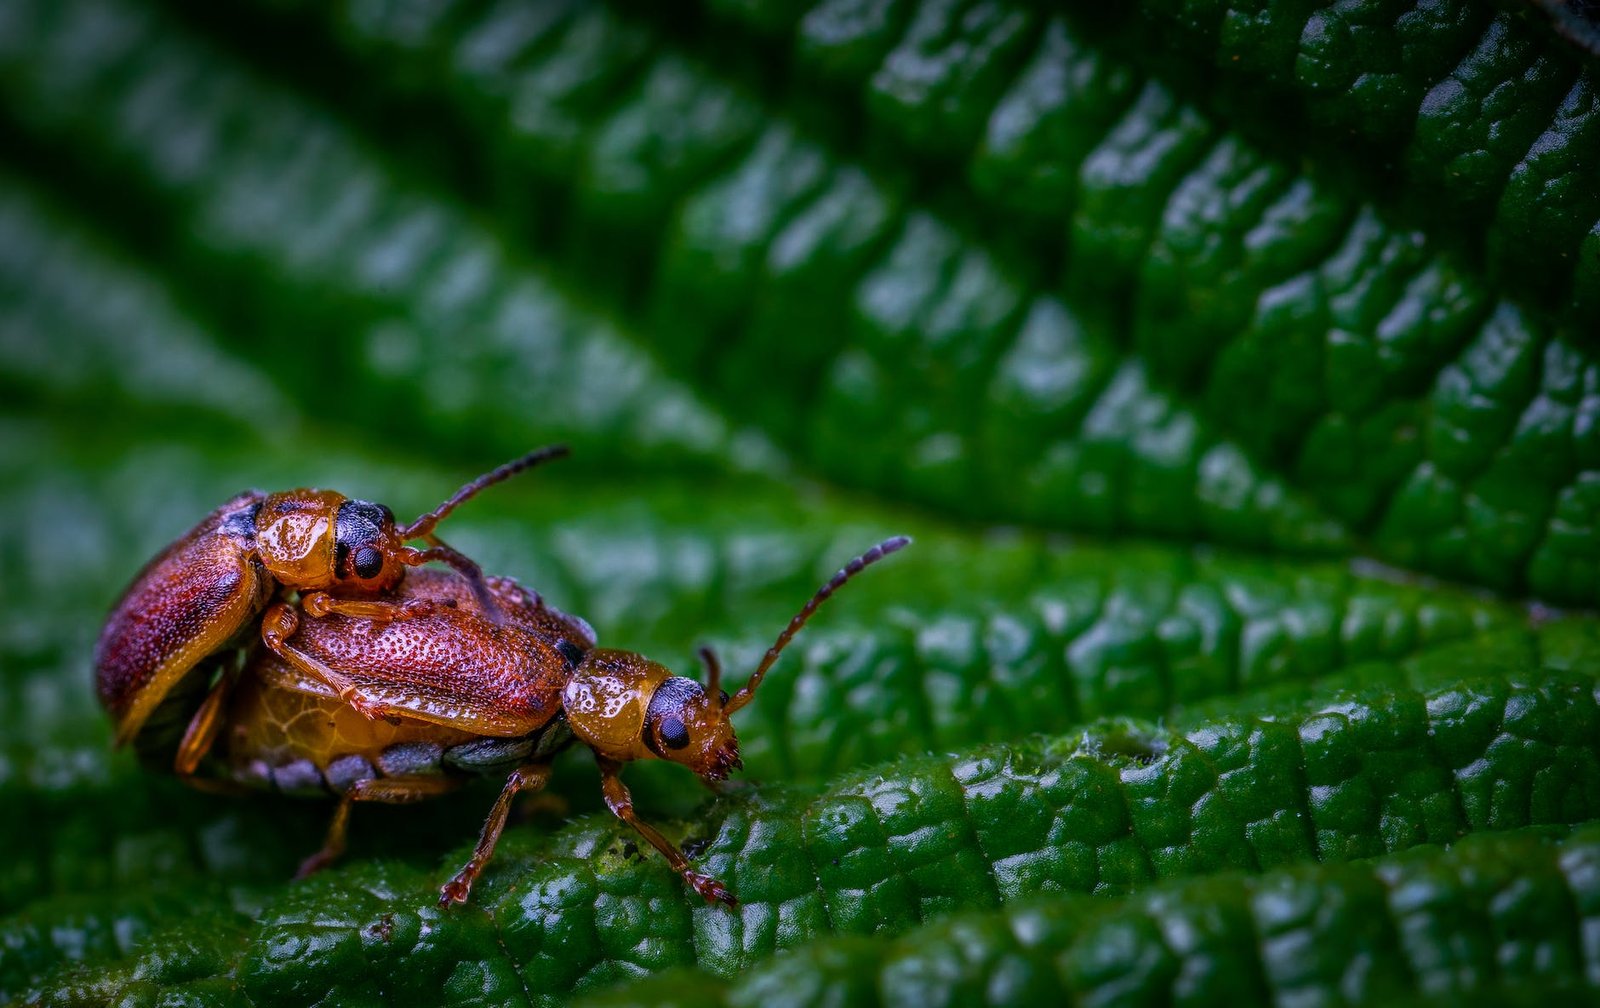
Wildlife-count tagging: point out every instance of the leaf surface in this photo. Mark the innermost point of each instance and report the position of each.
(1243, 410)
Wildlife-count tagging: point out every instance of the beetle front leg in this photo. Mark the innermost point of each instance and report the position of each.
(464, 566)
(390, 790)
(531, 777)
(620, 801)
(278, 625)
(320, 604)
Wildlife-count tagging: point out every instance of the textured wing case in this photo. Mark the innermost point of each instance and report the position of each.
(453, 667)
(183, 606)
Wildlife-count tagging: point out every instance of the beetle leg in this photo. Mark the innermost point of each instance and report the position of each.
(278, 625)
(620, 802)
(390, 790)
(201, 734)
(464, 566)
(333, 844)
(529, 777)
(320, 604)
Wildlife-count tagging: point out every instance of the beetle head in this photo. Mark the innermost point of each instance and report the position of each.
(688, 723)
(368, 553)
(315, 539)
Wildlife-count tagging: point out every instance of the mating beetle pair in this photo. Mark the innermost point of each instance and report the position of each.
(372, 684)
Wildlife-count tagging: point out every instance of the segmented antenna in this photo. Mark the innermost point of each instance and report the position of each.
(847, 572)
(424, 525)
(708, 658)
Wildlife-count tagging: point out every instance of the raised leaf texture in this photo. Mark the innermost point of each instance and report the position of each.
(1232, 366)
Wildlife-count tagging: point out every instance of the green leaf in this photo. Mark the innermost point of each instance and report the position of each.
(1231, 367)
(1501, 917)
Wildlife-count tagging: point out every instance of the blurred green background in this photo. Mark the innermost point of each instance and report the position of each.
(1234, 366)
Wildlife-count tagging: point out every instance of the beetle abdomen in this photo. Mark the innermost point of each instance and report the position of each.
(300, 744)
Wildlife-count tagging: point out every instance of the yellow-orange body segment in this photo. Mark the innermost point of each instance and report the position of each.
(606, 704)
(294, 536)
(273, 725)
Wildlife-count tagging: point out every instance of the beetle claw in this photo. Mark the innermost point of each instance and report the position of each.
(454, 892)
(416, 609)
(366, 708)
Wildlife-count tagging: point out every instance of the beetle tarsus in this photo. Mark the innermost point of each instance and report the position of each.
(361, 705)
(455, 892)
(333, 844)
(320, 605)
(278, 625)
(469, 571)
(712, 889)
(313, 864)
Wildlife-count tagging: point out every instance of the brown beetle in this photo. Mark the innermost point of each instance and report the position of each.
(374, 710)
(204, 590)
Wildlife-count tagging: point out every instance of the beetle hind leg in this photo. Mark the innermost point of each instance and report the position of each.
(530, 777)
(389, 790)
(203, 729)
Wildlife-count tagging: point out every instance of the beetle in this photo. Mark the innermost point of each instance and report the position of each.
(367, 709)
(202, 592)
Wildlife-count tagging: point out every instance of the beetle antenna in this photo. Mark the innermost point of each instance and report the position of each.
(708, 658)
(424, 525)
(846, 572)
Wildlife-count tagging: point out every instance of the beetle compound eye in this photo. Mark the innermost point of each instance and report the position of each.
(674, 696)
(673, 733)
(359, 525)
(367, 562)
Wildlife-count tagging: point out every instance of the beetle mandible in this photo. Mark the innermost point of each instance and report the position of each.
(402, 711)
(200, 593)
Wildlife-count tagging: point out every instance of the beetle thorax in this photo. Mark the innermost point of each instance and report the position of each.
(606, 700)
(295, 537)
